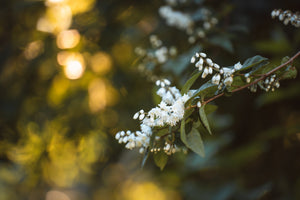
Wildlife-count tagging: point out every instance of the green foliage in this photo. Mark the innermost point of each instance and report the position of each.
(203, 118)
(160, 159)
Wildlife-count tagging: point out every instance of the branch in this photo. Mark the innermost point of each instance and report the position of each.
(257, 80)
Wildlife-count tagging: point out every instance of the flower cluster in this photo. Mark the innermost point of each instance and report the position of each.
(194, 23)
(168, 113)
(269, 83)
(222, 76)
(174, 18)
(287, 16)
(157, 55)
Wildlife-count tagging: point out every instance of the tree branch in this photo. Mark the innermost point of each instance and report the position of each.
(257, 80)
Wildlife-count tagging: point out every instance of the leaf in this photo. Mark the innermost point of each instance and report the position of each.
(222, 41)
(290, 73)
(253, 61)
(195, 143)
(162, 131)
(178, 65)
(203, 118)
(209, 108)
(145, 158)
(189, 83)
(207, 89)
(182, 132)
(160, 159)
(237, 82)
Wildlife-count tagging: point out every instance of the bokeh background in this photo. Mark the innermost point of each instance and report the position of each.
(69, 81)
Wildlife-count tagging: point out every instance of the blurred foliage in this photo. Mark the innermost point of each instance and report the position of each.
(68, 83)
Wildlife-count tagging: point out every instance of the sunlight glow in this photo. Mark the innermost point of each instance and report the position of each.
(74, 69)
(68, 39)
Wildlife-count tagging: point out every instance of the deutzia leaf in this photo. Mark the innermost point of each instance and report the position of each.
(207, 89)
(209, 108)
(253, 62)
(160, 159)
(190, 82)
(204, 120)
(182, 132)
(195, 143)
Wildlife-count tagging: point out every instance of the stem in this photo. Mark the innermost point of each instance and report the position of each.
(263, 76)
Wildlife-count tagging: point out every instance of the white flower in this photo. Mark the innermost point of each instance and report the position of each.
(238, 66)
(198, 104)
(228, 81)
(216, 79)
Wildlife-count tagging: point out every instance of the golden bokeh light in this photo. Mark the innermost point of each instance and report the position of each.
(67, 39)
(34, 49)
(142, 191)
(74, 69)
(101, 94)
(101, 63)
(73, 63)
(56, 195)
(56, 19)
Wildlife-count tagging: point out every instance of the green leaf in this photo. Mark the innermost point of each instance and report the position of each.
(190, 82)
(162, 131)
(203, 118)
(254, 61)
(145, 158)
(160, 159)
(182, 132)
(195, 143)
(222, 41)
(207, 89)
(178, 65)
(290, 73)
(237, 82)
(209, 108)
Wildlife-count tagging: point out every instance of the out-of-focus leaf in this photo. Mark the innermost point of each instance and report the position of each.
(160, 159)
(195, 143)
(190, 82)
(290, 73)
(222, 41)
(182, 132)
(162, 131)
(204, 119)
(178, 65)
(145, 158)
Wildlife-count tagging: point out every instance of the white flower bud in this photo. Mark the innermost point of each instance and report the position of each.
(203, 55)
(209, 62)
(193, 59)
(216, 66)
(136, 115)
(157, 82)
(205, 72)
(216, 79)
(122, 133)
(210, 70)
(142, 116)
(117, 136)
(277, 84)
(198, 104)
(125, 139)
(248, 80)
(167, 82)
(142, 150)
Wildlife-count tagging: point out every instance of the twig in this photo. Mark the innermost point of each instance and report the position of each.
(257, 80)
